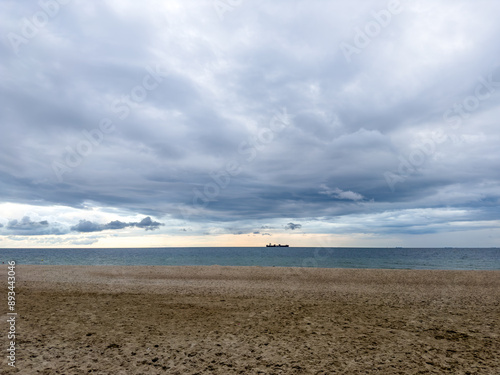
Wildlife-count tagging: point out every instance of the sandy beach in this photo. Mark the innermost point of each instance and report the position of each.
(252, 320)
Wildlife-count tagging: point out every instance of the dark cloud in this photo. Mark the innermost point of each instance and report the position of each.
(147, 224)
(28, 227)
(115, 225)
(293, 226)
(88, 226)
(26, 224)
(366, 136)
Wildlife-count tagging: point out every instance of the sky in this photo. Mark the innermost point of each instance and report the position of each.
(240, 123)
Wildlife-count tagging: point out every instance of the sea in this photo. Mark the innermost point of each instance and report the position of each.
(334, 257)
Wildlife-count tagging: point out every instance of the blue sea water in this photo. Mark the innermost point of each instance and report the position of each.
(336, 257)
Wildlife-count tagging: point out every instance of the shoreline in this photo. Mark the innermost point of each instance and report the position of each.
(244, 279)
(244, 319)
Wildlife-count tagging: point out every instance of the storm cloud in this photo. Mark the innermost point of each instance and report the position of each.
(148, 224)
(88, 226)
(26, 226)
(255, 117)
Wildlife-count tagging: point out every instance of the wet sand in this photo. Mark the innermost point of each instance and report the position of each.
(252, 320)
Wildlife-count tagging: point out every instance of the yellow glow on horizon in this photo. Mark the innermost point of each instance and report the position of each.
(223, 240)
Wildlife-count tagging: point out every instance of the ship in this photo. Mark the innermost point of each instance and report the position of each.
(278, 245)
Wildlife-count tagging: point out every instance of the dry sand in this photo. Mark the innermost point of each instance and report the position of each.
(253, 320)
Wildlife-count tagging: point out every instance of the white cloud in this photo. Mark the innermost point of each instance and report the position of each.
(340, 194)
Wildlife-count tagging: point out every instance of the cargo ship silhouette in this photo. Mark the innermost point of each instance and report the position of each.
(278, 245)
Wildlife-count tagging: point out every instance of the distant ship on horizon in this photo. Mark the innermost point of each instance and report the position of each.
(278, 245)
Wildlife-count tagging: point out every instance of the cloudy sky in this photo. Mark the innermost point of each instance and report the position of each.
(239, 123)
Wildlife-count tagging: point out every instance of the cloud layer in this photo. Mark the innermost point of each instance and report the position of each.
(26, 226)
(228, 119)
(88, 226)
